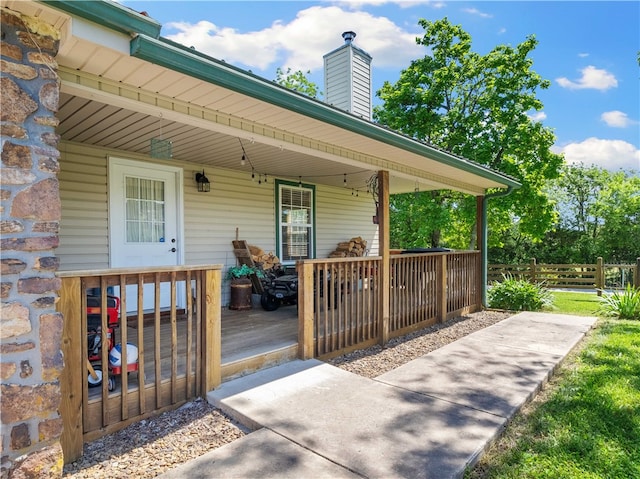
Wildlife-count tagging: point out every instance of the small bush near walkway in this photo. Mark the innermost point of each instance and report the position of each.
(519, 295)
(586, 423)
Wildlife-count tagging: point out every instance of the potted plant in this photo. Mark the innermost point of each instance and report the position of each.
(241, 286)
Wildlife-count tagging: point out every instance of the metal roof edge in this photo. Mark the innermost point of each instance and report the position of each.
(109, 14)
(185, 60)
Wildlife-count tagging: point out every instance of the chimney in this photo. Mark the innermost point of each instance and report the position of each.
(347, 78)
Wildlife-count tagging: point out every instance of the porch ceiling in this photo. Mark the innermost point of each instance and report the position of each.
(115, 100)
(96, 123)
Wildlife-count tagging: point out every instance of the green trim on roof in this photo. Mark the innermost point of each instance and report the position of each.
(109, 14)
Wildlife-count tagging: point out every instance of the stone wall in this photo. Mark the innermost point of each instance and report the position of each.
(30, 328)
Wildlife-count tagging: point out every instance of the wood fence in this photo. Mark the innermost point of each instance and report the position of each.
(599, 275)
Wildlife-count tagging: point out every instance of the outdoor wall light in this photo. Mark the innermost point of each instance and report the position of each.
(204, 185)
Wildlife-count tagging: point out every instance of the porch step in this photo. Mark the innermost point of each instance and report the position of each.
(247, 365)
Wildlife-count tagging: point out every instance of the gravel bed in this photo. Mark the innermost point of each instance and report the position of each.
(152, 446)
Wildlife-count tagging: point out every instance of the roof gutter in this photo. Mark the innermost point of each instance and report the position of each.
(109, 14)
(485, 234)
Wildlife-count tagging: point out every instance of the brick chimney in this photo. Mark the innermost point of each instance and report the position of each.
(347, 78)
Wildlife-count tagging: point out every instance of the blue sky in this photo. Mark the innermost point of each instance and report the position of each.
(588, 50)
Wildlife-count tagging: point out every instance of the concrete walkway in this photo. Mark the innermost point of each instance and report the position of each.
(429, 418)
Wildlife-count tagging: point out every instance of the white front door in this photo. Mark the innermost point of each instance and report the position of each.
(145, 207)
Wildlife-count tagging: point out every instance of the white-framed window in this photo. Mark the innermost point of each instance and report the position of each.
(296, 221)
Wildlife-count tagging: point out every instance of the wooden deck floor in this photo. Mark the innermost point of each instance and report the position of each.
(249, 333)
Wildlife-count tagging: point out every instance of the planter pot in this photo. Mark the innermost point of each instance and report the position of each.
(241, 294)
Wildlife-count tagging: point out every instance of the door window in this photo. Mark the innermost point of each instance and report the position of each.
(145, 210)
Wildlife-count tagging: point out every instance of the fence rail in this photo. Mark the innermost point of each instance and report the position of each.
(599, 275)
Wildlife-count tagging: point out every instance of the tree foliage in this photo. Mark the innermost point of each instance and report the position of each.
(598, 216)
(476, 106)
(297, 81)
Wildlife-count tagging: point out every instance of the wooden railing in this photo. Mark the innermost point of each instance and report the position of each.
(178, 346)
(599, 275)
(338, 305)
(340, 300)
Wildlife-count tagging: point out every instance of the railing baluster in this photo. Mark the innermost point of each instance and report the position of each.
(124, 383)
(157, 339)
(141, 347)
(189, 326)
(174, 340)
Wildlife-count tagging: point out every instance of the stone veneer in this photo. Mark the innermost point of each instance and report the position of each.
(30, 328)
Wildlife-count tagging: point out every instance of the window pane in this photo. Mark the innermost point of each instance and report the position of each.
(145, 210)
(295, 242)
(296, 222)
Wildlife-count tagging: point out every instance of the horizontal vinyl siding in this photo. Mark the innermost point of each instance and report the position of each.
(341, 216)
(84, 223)
(234, 202)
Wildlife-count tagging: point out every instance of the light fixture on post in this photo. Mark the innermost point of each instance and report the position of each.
(204, 186)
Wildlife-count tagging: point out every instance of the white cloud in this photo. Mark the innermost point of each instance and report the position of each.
(475, 11)
(609, 154)
(592, 77)
(502, 31)
(583, 55)
(301, 43)
(538, 116)
(616, 119)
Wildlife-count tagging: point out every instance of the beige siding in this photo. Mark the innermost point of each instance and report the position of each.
(83, 192)
(341, 216)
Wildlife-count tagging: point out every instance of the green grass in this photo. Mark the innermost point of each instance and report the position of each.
(586, 423)
(581, 304)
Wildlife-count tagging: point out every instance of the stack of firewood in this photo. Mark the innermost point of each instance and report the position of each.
(354, 247)
(266, 260)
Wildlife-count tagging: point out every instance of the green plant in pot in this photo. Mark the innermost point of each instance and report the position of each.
(241, 286)
(240, 274)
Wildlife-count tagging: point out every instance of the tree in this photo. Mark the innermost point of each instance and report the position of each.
(603, 209)
(297, 81)
(477, 106)
(598, 215)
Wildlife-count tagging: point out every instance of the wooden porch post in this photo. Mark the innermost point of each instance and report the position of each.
(385, 273)
(305, 310)
(74, 373)
(211, 330)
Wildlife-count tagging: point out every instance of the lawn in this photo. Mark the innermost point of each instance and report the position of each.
(581, 304)
(586, 422)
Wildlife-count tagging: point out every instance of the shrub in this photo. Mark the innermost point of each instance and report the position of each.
(622, 304)
(519, 295)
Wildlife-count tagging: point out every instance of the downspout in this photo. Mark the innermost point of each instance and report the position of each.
(485, 234)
